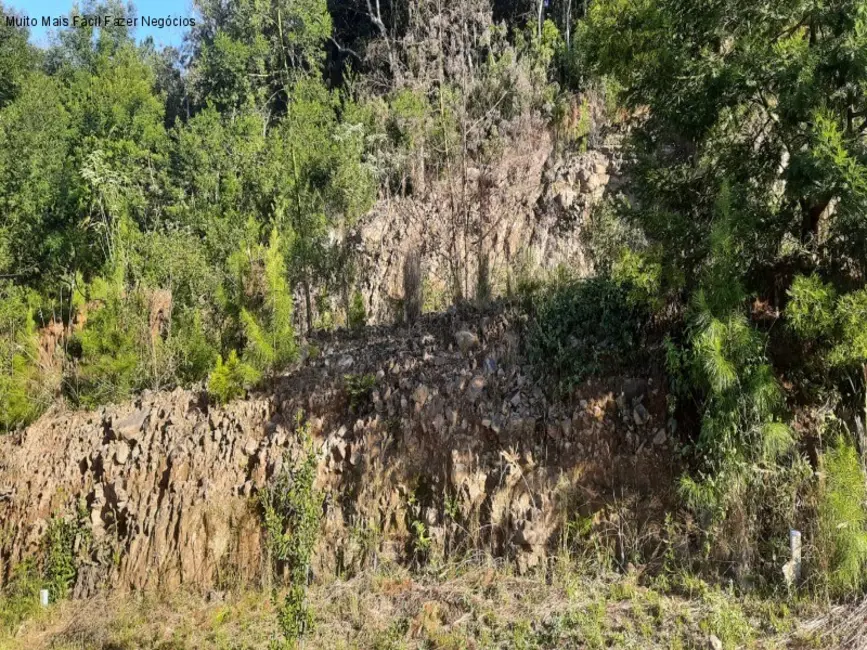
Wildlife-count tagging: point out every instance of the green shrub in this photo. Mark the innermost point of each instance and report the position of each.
(610, 232)
(834, 325)
(21, 394)
(359, 388)
(851, 315)
(357, 313)
(112, 351)
(64, 539)
(742, 437)
(193, 347)
(641, 273)
(841, 548)
(270, 335)
(231, 379)
(292, 510)
(810, 311)
(20, 598)
(583, 328)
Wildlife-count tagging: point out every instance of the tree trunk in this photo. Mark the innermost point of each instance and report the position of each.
(811, 214)
(541, 8)
(308, 304)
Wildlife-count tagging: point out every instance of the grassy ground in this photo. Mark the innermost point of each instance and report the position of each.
(476, 605)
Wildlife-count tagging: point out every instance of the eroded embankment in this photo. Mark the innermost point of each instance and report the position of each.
(454, 434)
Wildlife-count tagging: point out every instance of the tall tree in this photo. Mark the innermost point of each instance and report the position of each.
(18, 57)
(769, 95)
(250, 51)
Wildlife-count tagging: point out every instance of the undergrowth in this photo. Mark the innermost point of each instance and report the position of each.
(480, 604)
(583, 328)
(292, 509)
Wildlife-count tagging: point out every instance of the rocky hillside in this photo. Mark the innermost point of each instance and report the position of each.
(438, 431)
(532, 207)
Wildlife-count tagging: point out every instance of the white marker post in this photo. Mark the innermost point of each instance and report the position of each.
(792, 568)
(795, 546)
(43, 597)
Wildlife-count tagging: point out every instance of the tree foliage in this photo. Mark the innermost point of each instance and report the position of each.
(749, 178)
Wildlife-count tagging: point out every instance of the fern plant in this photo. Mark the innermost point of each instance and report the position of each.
(270, 334)
(231, 379)
(842, 520)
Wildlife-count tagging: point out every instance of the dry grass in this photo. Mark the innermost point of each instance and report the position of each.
(471, 605)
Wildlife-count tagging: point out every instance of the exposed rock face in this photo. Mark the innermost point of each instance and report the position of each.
(528, 207)
(461, 441)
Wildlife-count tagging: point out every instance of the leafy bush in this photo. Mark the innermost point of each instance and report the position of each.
(111, 353)
(231, 379)
(65, 538)
(359, 388)
(641, 274)
(851, 347)
(20, 380)
(270, 335)
(583, 328)
(20, 598)
(741, 441)
(810, 311)
(292, 510)
(833, 325)
(357, 313)
(841, 549)
(193, 347)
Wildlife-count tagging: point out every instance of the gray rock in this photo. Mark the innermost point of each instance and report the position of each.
(477, 385)
(466, 340)
(339, 450)
(121, 453)
(420, 395)
(129, 428)
(660, 438)
(640, 415)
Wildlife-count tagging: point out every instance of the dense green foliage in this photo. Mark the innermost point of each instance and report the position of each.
(749, 178)
(64, 541)
(586, 328)
(135, 192)
(842, 535)
(19, 380)
(231, 379)
(162, 209)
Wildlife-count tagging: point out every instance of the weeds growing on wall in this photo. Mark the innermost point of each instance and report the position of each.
(584, 328)
(292, 509)
(359, 389)
(65, 542)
